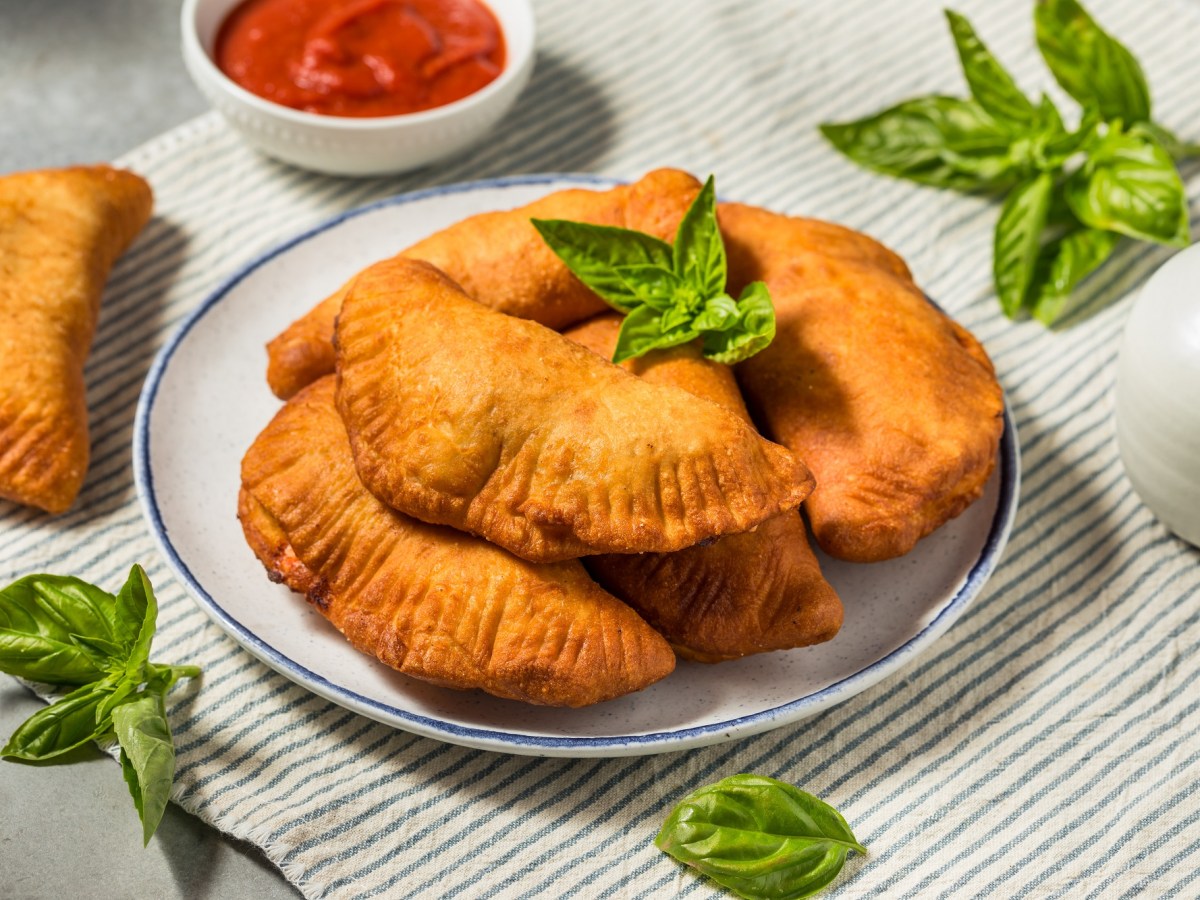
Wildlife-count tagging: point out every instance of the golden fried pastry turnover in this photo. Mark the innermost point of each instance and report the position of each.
(459, 415)
(500, 260)
(893, 405)
(60, 232)
(745, 593)
(432, 602)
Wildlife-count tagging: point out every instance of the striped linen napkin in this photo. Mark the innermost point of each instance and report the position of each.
(1045, 747)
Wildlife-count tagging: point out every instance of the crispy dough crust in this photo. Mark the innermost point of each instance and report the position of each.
(500, 260)
(894, 406)
(462, 416)
(745, 593)
(60, 232)
(431, 602)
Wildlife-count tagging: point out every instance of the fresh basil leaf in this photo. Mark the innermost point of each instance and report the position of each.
(63, 605)
(1179, 150)
(699, 252)
(38, 616)
(676, 318)
(719, 313)
(1042, 145)
(57, 629)
(594, 252)
(639, 334)
(1018, 240)
(682, 333)
(137, 617)
(991, 84)
(1059, 146)
(1091, 65)
(642, 331)
(1064, 263)
(105, 655)
(1129, 185)
(667, 305)
(940, 141)
(1059, 218)
(60, 727)
(759, 837)
(123, 686)
(38, 657)
(163, 678)
(655, 286)
(147, 756)
(129, 773)
(753, 329)
(1047, 119)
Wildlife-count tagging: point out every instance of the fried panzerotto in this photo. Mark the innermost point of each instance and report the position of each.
(500, 260)
(432, 602)
(745, 593)
(60, 232)
(894, 406)
(462, 416)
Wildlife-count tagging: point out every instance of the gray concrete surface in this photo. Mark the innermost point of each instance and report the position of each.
(71, 831)
(85, 81)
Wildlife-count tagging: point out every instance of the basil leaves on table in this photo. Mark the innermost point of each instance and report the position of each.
(759, 837)
(41, 619)
(1018, 240)
(939, 141)
(671, 294)
(1072, 192)
(1063, 264)
(1093, 67)
(991, 85)
(60, 630)
(1129, 185)
(147, 756)
(60, 727)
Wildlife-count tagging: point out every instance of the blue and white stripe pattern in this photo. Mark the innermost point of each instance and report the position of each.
(1045, 747)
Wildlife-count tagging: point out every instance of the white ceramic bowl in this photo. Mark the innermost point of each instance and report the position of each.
(1158, 395)
(343, 145)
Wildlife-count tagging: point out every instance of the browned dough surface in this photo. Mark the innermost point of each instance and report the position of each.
(463, 416)
(60, 232)
(894, 406)
(429, 601)
(745, 593)
(500, 260)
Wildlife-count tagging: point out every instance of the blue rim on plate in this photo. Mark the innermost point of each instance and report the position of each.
(485, 738)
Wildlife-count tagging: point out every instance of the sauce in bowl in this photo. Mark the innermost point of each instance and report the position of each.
(361, 57)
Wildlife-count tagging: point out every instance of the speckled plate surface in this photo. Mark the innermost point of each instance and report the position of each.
(206, 399)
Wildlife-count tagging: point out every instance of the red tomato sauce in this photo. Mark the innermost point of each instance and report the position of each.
(361, 57)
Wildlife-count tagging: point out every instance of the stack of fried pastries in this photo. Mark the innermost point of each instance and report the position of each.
(435, 496)
(501, 261)
(430, 601)
(510, 431)
(745, 593)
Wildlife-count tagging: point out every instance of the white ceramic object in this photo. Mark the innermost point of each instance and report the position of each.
(205, 400)
(1158, 395)
(342, 145)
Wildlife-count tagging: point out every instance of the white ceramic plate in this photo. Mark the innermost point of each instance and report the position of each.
(206, 399)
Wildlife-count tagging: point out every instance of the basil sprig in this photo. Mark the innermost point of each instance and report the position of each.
(1129, 185)
(61, 630)
(1072, 193)
(1091, 65)
(759, 837)
(671, 294)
